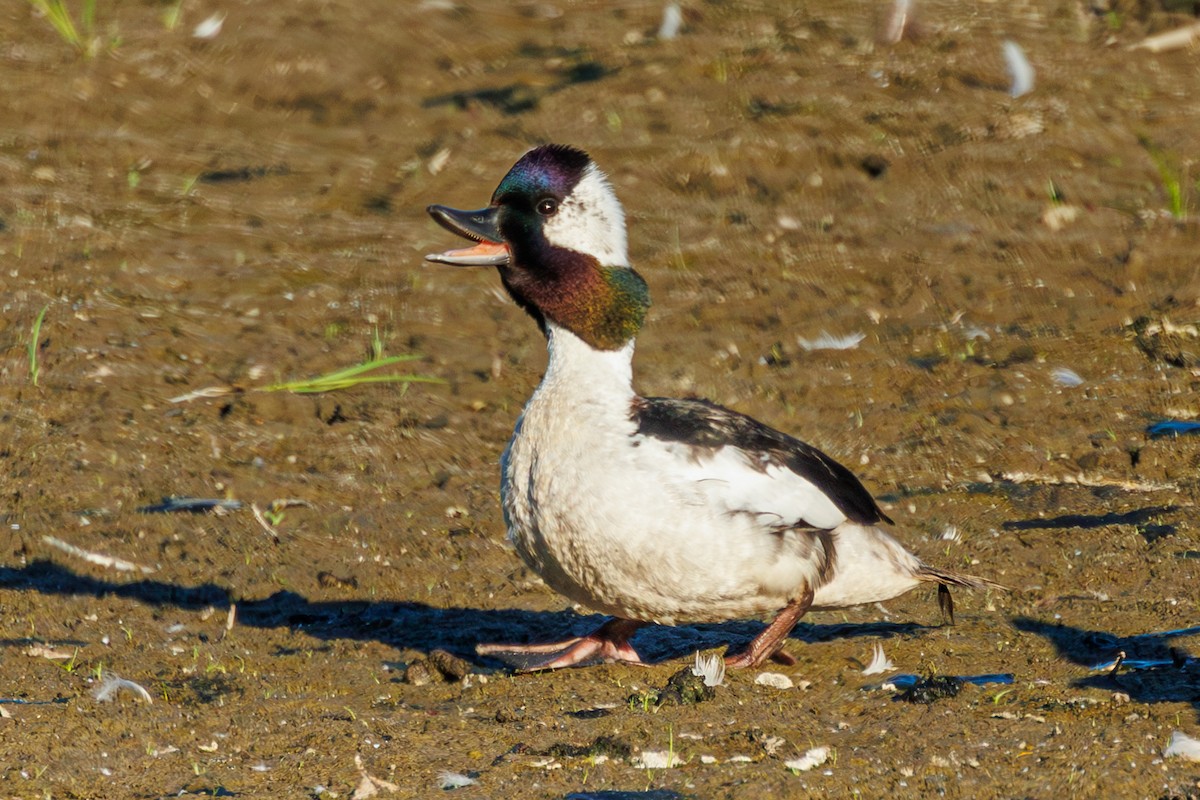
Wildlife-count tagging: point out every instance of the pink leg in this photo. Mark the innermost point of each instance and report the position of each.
(609, 642)
(768, 644)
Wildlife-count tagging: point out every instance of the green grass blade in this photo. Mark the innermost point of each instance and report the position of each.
(350, 377)
(88, 18)
(57, 15)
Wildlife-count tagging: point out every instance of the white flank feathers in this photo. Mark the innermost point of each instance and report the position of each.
(210, 27)
(711, 668)
(879, 662)
(111, 685)
(1183, 746)
(672, 21)
(828, 342)
(813, 758)
(1019, 69)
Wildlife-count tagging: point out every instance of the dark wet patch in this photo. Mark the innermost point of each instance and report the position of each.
(514, 98)
(240, 174)
(874, 165)
(520, 97)
(609, 746)
(203, 790)
(932, 688)
(589, 713)
(199, 690)
(190, 505)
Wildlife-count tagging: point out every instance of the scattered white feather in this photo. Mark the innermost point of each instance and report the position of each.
(774, 679)
(976, 332)
(879, 662)
(111, 685)
(453, 780)
(827, 341)
(1065, 376)
(897, 21)
(951, 533)
(813, 758)
(672, 21)
(1171, 40)
(210, 27)
(711, 668)
(119, 564)
(657, 759)
(1183, 746)
(1019, 69)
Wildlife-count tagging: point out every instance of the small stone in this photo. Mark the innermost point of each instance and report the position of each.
(452, 668)
(418, 673)
(774, 679)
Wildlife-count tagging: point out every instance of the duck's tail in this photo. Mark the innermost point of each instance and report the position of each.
(945, 579)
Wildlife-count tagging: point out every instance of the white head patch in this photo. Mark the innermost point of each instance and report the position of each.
(590, 220)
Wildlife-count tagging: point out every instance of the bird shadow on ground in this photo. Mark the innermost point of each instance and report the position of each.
(416, 626)
(1151, 668)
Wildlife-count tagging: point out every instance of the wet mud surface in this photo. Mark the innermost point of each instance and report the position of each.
(244, 210)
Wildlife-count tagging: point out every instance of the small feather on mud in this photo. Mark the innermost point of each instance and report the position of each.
(1019, 69)
(448, 781)
(879, 662)
(810, 760)
(827, 341)
(1183, 746)
(711, 668)
(1065, 376)
(209, 28)
(672, 21)
(99, 559)
(111, 685)
(896, 22)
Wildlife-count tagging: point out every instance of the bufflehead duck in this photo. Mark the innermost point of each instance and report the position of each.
(650, 509)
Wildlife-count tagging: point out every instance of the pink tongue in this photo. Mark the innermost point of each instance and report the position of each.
(484, 253)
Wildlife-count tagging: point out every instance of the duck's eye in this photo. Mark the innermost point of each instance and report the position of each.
(547, 206)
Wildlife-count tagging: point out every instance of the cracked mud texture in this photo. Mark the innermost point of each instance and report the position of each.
(248, 209)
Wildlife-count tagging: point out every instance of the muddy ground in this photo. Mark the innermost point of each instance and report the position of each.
(246, 209)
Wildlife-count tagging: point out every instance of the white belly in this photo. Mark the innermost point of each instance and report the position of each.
(602, 521)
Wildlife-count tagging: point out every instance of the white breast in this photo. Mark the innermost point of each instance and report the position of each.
(630, 525)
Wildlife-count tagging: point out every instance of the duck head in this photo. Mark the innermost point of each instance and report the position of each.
(556, 233)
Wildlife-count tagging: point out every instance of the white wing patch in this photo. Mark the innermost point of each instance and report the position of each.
(729, 481)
